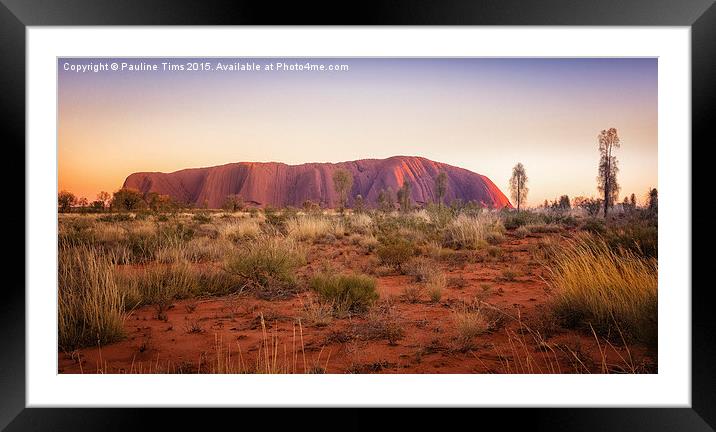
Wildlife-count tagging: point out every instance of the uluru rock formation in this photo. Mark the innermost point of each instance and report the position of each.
(279, 185)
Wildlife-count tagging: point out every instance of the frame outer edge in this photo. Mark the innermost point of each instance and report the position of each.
(703, 326)
(12, 305)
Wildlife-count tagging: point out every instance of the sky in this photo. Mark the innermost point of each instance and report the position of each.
(482, 114)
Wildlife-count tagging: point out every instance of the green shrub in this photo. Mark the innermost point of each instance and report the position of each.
(268, 266)
(117, 217)
(638, 238)
(440, 216)
(178, 232)
(348, 293)
(158, 284)
(202, 217)
(513, 220)
(594, 226)
(395, 252)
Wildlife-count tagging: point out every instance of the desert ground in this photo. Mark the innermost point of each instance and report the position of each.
(434, 290)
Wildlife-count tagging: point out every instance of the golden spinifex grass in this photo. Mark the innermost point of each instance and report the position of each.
(606, 287)
(471, 232)
(90, 304)
(314, 227)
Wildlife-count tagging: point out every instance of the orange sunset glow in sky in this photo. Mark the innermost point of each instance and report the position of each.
(482, 114)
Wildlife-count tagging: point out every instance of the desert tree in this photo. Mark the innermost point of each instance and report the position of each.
(633, 200)
(65, 200)
(563, 205)
(386, 200)
(608, 167)
(404, 196)
(233, 203)
(518, 185)
(359, 204)
(159, 202)
(127, 199)
(382, 200)
(105, 198)
(441, 187)
(653, 200)
(342, 183)
(590, 205)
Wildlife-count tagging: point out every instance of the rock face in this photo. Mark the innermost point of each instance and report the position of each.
(279, 185)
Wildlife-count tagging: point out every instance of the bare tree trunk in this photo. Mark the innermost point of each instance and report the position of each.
(606, 181)
(519, 188)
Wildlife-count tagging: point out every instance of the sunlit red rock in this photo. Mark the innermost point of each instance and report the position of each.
(279, 185)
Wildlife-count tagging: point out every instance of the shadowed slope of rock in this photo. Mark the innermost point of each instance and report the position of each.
(279, 185)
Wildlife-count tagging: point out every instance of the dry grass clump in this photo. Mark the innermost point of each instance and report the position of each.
(472, 232)
(420, 268)
(508, 275)
(521, 232)
(413, 293)
(360, 223)
(380, 324)
(469, 322)
(205, 249)
(316, 313)
(346, 293)
(435, 284)
(90, 304)
(239, 229)
(368, 242)
(268, 266)
(313, 227)
(602, 286)
(542, 228)
(158, 284)
(199, 249)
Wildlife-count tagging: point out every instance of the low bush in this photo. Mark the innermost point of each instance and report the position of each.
(202, 217)
(594, 226)
(513, 219)
(360, 223)
(347, 293)
(395, 252)
(542, 228)
(268, 266)
(639, 238)
(116, 217)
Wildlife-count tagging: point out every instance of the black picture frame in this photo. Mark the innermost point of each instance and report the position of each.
(16, 15)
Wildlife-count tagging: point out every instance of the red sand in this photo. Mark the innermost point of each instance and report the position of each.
(429, 343)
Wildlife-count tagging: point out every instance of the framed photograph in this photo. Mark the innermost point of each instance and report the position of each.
(421, 205)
